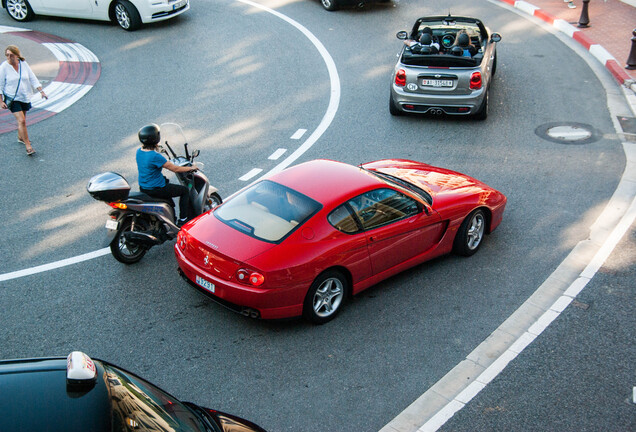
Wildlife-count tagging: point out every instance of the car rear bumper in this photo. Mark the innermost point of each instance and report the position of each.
(437, 103)
(249, 301)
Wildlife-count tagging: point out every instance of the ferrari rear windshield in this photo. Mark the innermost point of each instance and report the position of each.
(267, 211)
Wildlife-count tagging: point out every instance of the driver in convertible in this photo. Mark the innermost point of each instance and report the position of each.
(151, 180)
(425, 44)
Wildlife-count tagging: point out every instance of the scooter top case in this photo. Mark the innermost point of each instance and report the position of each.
(108, 187)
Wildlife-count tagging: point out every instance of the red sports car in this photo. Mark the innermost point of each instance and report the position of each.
(301, 241)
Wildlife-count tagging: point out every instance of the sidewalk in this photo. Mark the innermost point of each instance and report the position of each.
(607, 37)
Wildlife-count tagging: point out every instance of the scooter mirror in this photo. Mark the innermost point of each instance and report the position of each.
(195, 153)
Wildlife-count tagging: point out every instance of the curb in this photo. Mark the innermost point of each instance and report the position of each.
(600, 53)
(78, 71)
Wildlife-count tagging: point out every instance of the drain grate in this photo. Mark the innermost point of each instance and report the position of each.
(568, 133)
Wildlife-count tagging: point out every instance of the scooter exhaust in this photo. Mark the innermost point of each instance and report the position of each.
(141, 238)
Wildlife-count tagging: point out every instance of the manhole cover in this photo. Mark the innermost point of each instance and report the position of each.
(568, 133)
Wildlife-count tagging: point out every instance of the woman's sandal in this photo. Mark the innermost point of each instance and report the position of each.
(31, 152)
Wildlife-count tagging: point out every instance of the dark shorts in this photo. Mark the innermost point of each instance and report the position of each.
(18, 106)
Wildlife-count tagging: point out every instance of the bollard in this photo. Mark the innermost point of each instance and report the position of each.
(631, 60)
(584, 20)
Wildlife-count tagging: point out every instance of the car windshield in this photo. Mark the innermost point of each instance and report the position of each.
(405, 184)
(267, 211)
(139, 405)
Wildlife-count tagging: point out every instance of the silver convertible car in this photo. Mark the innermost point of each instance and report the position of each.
(445, 67)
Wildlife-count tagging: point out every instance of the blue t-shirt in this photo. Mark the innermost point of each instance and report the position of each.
(149, 165)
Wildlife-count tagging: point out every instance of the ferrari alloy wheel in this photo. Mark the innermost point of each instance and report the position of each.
(325, 297)
(19, 10)
(330, 5)
(470, 234)
(123, 250)
(127, 16)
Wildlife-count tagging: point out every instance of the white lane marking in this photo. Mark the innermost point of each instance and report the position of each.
(496, 367)
(71, 52)
(299, 134)
(54, 265)
(277, 154)
(250, 174)
(332, 108)
(61, 96)
(334, 99)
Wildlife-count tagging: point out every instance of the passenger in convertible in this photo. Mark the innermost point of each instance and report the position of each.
(462, 40)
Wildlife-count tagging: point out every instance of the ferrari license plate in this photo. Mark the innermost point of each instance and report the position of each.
(205, 284)
(112, 224)
(179, 4)
(437, 83)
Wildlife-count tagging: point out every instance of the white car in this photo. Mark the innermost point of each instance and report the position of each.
(129, 14)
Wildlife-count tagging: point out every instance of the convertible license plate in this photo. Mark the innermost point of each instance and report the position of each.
(179, 4)
(437, 83)
(112, 224)
(205, 284)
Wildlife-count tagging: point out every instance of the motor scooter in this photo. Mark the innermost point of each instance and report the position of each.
(139, 221)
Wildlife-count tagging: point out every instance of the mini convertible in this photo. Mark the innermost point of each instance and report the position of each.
(445, 80)
(301, 241)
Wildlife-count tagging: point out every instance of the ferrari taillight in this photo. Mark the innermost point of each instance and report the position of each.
(400, 78)
(250, 277)
(475, 81)
(182, 239)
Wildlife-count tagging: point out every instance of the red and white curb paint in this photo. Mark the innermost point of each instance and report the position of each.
(600, 53)
(79, 70)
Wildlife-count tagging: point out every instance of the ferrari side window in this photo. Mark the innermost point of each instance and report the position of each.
(342, 220)
(382, 206)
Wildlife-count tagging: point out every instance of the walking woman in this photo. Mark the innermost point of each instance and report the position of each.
(17, 82)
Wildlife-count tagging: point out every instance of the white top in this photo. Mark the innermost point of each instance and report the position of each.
(9, 81)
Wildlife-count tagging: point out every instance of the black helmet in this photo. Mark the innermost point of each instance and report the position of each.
(463, 40)
(149, 135)
(426, 39)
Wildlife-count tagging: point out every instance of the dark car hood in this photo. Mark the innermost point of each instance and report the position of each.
(231, 423)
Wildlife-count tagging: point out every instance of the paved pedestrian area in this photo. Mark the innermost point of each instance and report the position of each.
(608, 35)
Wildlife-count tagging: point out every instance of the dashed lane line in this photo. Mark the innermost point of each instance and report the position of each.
(332, 108)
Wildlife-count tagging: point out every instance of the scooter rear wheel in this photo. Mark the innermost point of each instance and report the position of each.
(124, 251)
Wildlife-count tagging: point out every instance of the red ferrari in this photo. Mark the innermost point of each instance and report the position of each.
(301, 241)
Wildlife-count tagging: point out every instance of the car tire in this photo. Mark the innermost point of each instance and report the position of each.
(482, 113)
(325, 297)
(126, 15)
(330, 5)
(123, 251)
(393, 108)
(19, 10)
(470, 234)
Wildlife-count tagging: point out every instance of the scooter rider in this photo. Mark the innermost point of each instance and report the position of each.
(151, 180)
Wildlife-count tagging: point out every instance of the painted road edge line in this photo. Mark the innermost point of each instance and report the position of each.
(54, 265)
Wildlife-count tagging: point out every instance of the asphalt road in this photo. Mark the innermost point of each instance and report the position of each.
(241, 82)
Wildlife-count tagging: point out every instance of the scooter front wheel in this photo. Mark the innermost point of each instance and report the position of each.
(123, 250)
(214, 200)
